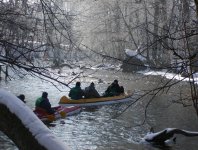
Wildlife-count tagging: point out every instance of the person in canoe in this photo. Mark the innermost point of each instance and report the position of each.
(43, 103)
(91, 92)
(76, 92)
(22, 98)
(114, 89)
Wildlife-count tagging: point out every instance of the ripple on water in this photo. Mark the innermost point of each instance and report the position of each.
(96, 130)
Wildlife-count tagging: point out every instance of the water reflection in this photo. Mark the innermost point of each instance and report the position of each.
(93, 130)
(6, 143)
(103, 128)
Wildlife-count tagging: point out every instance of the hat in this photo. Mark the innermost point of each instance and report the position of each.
(77, 83)
(22, 97)
(115, 81)
(45, 94)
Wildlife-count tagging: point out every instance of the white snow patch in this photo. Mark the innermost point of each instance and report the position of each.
(171, 75)
(42, 134)
(106, 66)
(134, 53)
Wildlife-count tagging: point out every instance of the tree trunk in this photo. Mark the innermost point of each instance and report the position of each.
(147, 29)
(165, 56)
(196, 3)
(155, 31)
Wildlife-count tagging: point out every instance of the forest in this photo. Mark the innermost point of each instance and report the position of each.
(41, 35)
(64, 32)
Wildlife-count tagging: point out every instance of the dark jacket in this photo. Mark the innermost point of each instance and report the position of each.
(113, 90)
(91, 92)
(45, 104)
(76, 93)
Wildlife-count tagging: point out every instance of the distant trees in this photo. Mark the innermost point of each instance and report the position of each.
(158, 26)
(164, 32)
(32, 32)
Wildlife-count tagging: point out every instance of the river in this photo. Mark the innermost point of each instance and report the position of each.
(99, 129)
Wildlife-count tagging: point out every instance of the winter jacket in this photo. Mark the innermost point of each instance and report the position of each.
(91, 92)
(76, 93)
(113, 90)
(45, 104)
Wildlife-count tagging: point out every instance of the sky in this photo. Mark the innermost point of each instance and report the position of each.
(40, 131)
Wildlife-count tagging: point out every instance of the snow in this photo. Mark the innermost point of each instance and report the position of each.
(190, 132)
(106, 66)
(134, 53)
(131, 52)
(171, 75)
(42, 134)
(151, 135)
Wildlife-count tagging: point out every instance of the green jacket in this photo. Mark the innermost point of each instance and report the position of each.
(76, 93)
(38, 101)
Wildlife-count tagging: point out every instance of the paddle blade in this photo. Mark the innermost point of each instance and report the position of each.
(51, 118)
(63, 114)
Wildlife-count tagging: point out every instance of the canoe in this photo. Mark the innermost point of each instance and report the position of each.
(61, 112)
(65, 101)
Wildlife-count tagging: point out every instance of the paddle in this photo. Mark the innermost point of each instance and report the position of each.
(63, 114)
(51, 118)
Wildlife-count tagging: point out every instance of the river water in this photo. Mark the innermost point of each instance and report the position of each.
(102, 128)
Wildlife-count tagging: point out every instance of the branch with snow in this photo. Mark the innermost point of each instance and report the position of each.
(134, 53)
(28, 123)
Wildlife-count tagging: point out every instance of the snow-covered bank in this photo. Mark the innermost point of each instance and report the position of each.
(162, 73)
(41, 133)
(168, 75)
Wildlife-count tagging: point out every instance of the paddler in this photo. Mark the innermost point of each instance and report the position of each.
(43, 103)
(76, 92)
